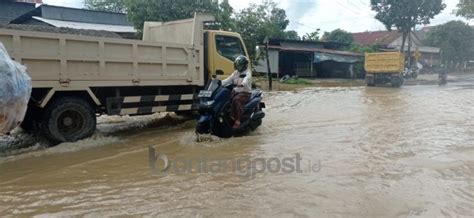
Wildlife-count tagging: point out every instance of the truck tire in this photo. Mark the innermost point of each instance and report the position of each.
(68, 120)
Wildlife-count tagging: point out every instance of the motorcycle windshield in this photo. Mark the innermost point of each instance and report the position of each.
(211, 88)
(214, 85)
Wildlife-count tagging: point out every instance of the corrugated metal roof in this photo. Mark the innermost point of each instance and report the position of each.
(301, 43)
(88, 26)
(11, 10)
(382, 38)
(321, 50)
(83, 15)
(74, 15)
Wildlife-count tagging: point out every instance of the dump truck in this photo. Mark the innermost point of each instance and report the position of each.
(76, 78)
(384, 68)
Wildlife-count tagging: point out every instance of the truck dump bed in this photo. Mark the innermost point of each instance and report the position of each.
(384, 62)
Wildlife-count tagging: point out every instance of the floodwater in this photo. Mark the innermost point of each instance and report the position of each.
(366, 152)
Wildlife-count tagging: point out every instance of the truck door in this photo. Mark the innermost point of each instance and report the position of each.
(227, 47)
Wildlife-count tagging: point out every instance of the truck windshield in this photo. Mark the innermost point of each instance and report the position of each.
(229, 47)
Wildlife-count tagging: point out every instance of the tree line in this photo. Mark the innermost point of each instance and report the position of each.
(258, 21)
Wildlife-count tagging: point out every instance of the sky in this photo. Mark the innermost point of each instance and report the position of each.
(308, 15)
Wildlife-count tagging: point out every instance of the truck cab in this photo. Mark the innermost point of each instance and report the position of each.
(222, 49)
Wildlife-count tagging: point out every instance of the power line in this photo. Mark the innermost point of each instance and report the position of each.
(346, 7)
(332, 21)
(356, 6)
(363, 3)
(360, 7)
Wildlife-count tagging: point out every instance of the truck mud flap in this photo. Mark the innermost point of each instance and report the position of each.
(132, 105)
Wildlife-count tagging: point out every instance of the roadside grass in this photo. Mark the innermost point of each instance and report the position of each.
(291, 84)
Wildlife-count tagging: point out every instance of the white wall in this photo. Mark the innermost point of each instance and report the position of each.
(261, 66)
(398, 43)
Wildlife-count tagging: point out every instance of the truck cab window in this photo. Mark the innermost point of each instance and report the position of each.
(229, 47)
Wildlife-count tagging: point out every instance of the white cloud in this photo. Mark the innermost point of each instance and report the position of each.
(308, 15)
(351, 15)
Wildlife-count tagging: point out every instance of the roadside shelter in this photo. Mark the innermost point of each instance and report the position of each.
(309, 59)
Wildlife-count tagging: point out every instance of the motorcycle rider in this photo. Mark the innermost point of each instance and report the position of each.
(241, 78)
(443, 75)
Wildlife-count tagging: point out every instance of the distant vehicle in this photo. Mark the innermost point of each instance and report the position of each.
(443, 77)
(409, 73)
(76, 78)
(215, 102)
(384, 67)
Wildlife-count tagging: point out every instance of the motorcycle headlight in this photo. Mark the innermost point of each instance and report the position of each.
(205, 94)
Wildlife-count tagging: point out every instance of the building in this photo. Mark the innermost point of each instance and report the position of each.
(393, 40)
(424, 32)
(9, 10)
(309, 59)
(56, 16)
(31, 1)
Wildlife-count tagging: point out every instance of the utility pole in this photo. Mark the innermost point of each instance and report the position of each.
(267, 41)
(409, 50)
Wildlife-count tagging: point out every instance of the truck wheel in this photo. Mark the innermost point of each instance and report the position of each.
(68, 120)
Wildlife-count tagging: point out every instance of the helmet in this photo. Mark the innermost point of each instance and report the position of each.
(241, 63)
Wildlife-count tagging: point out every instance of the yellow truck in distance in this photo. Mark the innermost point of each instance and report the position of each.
(76, 78)
(384, 67)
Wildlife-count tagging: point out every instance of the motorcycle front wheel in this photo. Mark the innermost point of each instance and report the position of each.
(222, 126)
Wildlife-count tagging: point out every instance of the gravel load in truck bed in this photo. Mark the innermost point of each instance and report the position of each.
(48, 29)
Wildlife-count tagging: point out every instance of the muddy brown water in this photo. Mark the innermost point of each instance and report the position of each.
(380, 152)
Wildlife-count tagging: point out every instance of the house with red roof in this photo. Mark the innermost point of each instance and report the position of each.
(393, 40)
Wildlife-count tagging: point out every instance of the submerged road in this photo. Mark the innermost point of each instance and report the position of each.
(352, 151)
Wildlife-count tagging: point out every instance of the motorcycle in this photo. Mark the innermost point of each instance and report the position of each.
(411, 73)
(214, 109)
(442, 79)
